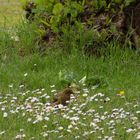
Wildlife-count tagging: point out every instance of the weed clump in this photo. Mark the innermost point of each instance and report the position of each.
(109, 20)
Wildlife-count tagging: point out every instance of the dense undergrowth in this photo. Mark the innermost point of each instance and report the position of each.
(92, 23)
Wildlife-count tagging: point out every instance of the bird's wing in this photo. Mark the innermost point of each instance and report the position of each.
(56, 97)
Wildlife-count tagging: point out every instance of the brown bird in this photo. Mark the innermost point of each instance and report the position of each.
(62, 97)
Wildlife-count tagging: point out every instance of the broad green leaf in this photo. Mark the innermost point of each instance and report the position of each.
(83, 80)
(57, 8)
(45, 23)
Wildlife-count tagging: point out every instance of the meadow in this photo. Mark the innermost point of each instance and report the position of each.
(106, 106)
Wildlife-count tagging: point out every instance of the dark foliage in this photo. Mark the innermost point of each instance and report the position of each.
(114, 19)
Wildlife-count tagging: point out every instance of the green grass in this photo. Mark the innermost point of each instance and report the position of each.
(26, 89)
(119, 72)
(10, 12)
